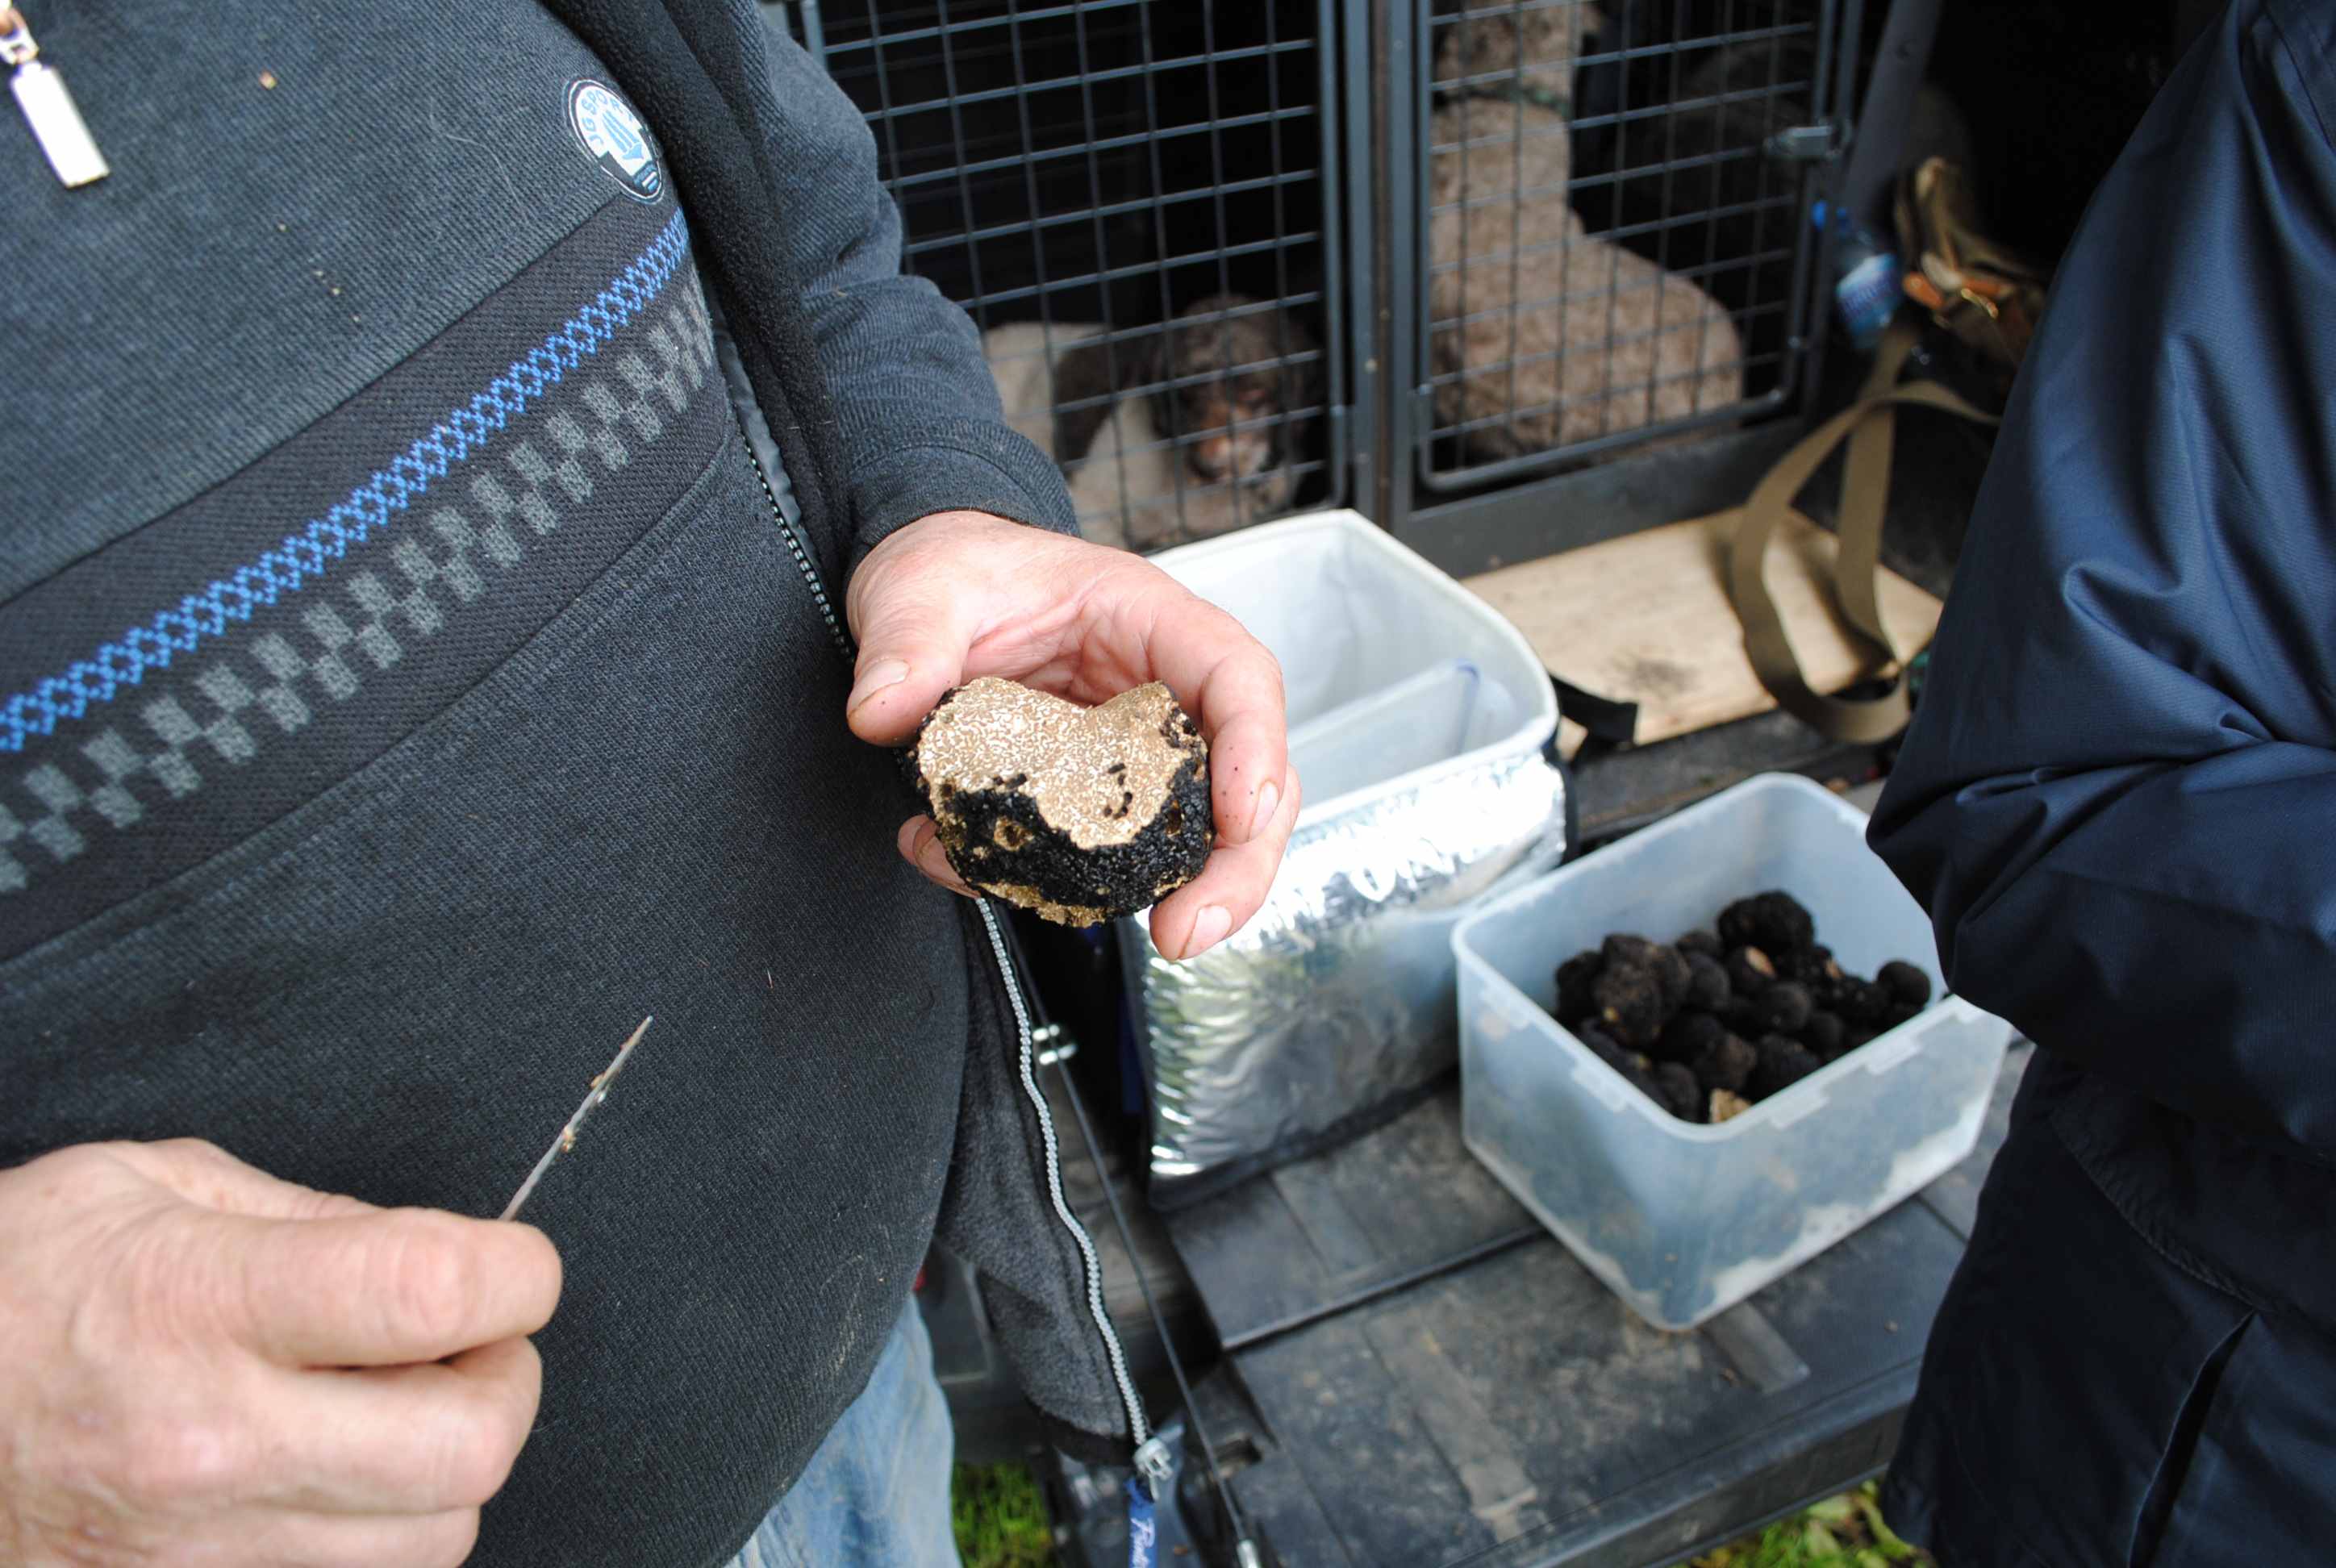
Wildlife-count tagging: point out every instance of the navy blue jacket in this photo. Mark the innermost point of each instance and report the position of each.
(2118, 802)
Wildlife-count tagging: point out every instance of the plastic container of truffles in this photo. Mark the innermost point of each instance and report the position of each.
(1683, 1220)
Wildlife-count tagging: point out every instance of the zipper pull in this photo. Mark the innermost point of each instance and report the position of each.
(1156, 1472)
(48, 108)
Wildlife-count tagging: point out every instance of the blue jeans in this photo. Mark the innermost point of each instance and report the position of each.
(878, 1490)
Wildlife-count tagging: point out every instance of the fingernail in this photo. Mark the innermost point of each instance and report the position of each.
(1269, 795)
(1209, 929)
(884, 672)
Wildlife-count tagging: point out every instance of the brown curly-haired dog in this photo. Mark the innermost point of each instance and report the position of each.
(1539, 334)
(1180, 434)
(1528, 43)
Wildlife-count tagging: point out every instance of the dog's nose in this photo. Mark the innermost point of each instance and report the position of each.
(1215, 455)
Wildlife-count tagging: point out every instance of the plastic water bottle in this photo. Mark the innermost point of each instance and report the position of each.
(1866, 285)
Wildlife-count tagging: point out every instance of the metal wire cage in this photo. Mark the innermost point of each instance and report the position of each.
(1614, 246)
(1136, 199)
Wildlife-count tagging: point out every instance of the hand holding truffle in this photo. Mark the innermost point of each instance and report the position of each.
(959, 596)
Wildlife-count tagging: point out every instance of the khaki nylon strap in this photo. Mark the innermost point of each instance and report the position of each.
(1869, 425)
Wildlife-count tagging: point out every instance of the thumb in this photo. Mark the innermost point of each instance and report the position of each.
(913, 642)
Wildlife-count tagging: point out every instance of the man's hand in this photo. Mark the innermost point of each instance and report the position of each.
(205, 1365)
(961, 594)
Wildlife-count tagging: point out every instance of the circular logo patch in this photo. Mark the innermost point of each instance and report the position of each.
(612, 137)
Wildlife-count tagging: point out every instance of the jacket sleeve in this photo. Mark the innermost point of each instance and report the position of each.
(2118, 798)
(920, 423)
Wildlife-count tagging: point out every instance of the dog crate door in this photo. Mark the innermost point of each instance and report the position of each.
(1137, 202)
(1615, 242)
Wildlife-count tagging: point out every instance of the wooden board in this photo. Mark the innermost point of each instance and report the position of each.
(1646, 619)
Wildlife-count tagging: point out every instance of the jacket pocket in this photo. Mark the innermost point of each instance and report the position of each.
(2173, 1465)
(2062, 1374)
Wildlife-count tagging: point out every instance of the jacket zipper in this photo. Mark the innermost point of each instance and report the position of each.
(48, 109)
(1152, 1459)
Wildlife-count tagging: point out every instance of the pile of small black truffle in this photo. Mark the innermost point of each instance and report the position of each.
(1716, 1022)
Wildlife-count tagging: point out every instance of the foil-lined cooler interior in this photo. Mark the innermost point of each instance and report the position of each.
(1419, 723)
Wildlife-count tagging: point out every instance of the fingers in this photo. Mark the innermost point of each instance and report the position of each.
(383, 1289)
(1231, 888)
(921, 846)
(1234, 686)
(413, 1440)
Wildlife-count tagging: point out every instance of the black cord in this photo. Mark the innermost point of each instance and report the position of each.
(1160, 1323)
(1233, 1520)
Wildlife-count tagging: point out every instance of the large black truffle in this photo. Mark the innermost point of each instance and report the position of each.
(1774, 922)
(1080, 814)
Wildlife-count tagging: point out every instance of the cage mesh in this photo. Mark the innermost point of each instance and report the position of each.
(1136, 201)
(1610, 253)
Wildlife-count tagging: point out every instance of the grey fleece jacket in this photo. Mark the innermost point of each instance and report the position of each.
(404, 685)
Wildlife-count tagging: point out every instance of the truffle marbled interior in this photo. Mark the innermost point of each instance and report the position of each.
(1079, 815)
(1097, 775)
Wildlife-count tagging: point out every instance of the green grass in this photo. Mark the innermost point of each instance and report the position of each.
(1844, 1532)
(1001, 1520)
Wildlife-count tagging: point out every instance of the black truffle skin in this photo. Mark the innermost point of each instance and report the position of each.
(1784, 1008)
(1861, 1003)
(1668, 967)
(1727, 1064)
(1749, 972)
(1807, 965)
(1677, 1092)
(1782, 1063)
(1704, 943)
(1707, 984)
(1631, 1004)
(1575, 977)
(1633, 1067)
(1605, 1047)
(1676, 975)
(1774, 922)
(1687, 1035)
(1822, 1034)
(1105, 881)
(1816, 968)
(1908, 985)
(1630, 951)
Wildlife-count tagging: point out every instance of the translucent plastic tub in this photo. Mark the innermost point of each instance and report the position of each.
(1683, 1221)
